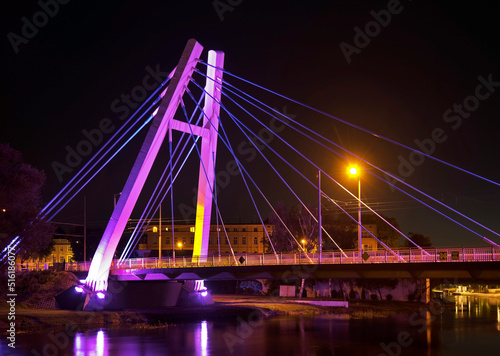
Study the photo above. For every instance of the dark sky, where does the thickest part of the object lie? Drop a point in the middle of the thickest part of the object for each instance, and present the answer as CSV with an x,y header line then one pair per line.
x,y
428,57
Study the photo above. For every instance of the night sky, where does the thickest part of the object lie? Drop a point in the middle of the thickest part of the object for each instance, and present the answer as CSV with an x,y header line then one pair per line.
x,y
415,78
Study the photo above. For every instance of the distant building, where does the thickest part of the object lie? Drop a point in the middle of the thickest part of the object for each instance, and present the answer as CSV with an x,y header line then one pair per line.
x,y
244,238
61,252
368,242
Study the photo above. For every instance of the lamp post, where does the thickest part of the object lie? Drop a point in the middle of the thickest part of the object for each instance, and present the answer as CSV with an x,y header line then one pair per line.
x,y
354,171
319,214
159,236
303,244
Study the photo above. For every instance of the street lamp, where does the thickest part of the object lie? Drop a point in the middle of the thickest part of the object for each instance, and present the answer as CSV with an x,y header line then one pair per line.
x,y
179,244
355,172
319,215
303,243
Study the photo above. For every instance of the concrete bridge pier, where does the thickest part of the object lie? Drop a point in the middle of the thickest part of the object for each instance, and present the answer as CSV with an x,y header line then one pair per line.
x,y
136,295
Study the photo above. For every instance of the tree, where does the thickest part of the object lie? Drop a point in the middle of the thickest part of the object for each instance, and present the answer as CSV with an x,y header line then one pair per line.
x,y
377,284
280,237
345,237
291,225
385,233
419,239
20,203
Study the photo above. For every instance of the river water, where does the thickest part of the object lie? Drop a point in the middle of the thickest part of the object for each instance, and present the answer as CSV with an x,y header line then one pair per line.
x,y
470,326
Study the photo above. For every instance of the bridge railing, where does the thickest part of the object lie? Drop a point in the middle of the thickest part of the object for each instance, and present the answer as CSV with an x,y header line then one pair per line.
x,y
414,255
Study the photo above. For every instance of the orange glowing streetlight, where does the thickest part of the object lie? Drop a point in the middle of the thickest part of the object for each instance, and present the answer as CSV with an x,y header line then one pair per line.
x,y
303,243
355,172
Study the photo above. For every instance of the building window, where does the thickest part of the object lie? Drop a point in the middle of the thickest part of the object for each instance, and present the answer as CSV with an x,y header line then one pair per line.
x,y
62,258
255,241
155,229
166,229
235,240
244,240
244,229
255,229
226,240
184,240
167,240
235,230
192,240
191,229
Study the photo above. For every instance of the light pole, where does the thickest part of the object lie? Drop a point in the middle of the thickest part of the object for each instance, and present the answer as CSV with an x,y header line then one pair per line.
x,y
319,213
354,171
159,236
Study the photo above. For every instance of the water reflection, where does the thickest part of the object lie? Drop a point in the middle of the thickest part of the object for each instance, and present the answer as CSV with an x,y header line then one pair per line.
x,y
498,315
90,344
470,324
201,341
471,306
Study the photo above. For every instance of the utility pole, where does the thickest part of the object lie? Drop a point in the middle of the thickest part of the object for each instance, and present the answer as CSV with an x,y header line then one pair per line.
x,y
159,237
84,228
319,214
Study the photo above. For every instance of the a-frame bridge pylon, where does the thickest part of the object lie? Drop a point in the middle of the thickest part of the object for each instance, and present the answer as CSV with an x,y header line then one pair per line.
x,y
162,123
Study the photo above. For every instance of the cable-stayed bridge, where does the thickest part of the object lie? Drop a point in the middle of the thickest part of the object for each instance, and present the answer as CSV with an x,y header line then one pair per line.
x,y
196,121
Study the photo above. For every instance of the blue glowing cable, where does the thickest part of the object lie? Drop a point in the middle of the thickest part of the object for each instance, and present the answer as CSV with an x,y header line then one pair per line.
x,y
230,149
284,181
355,126
100,168
333,151
288,163
202,164
83,169
134,238
312,163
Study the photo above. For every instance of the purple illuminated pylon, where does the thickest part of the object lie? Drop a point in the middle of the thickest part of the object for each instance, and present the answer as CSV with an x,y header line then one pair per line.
x,y
162,123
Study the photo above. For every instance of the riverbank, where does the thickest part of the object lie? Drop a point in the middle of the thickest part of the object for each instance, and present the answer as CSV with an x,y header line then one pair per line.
x,y
225,308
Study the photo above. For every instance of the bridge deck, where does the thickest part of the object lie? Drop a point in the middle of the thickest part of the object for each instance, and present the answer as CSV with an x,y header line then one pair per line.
x,y
455,262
